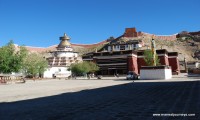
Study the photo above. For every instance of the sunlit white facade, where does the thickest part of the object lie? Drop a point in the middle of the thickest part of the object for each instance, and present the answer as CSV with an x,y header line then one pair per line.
x,y
61,59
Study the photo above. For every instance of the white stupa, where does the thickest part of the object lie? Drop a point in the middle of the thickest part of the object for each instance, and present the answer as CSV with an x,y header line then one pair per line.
x,y
61,59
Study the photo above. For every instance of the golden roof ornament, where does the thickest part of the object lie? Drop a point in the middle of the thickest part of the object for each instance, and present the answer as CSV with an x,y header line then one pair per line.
x,y
64,41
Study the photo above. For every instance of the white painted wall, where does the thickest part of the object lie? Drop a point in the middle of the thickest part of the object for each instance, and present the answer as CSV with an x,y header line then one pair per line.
x,y
66,54
56,70
153,74
138,45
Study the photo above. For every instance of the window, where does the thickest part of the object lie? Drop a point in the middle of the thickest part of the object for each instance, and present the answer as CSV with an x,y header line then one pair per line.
x,y
126,47
130,47
122,47
109,48
118,47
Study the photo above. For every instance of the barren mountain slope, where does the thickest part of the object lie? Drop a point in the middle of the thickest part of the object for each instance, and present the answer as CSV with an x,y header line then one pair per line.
x,y
186,47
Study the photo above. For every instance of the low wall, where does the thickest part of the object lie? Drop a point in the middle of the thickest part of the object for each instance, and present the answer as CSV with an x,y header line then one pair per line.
x,y
155,72
196,71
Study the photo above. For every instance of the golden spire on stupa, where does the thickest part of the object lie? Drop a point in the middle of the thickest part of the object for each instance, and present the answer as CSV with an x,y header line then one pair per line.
x,y
64,41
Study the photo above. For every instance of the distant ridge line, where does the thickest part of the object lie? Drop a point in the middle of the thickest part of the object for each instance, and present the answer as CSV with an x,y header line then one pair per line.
x,y
44,49
53,47
89,45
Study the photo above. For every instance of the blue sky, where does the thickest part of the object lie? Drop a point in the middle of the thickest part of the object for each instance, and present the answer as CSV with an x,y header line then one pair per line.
x,y
41,22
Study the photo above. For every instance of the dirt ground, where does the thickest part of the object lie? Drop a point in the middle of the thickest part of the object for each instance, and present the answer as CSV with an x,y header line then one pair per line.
x,y
108,99
41,88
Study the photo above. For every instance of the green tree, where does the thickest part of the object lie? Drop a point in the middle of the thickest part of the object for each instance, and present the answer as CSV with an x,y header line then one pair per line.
x,y
83,68
12,58
35,64
148,58
92,67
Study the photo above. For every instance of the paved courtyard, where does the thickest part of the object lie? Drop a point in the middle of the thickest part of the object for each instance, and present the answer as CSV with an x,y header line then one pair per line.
x,y
115,99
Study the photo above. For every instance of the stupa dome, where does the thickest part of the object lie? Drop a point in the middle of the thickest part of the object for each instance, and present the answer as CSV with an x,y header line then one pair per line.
x,y
64,41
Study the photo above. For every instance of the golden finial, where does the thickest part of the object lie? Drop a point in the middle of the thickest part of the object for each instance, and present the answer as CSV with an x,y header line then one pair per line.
x,y
65,34
153,36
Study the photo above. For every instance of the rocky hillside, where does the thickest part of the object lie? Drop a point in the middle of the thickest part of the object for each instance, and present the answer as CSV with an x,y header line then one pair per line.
x,y
186,47
186,43
80,48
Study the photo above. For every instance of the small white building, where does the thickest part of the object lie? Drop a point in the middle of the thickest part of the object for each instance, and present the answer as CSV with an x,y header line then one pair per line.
x,y
61,59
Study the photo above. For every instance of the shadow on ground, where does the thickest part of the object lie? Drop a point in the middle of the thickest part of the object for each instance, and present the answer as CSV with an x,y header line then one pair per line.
x,y
133,101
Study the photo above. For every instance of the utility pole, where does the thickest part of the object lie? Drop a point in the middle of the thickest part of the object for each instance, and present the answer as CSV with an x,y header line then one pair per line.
x,y
153,49
185,62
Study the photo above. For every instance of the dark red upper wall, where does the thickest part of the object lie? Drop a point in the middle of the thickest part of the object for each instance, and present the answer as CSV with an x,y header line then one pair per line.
x,y
132,64
130,32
